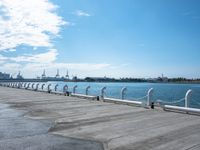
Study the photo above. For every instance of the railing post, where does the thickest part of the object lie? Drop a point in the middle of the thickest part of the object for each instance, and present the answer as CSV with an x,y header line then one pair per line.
x,y
20,85
74,89
149,96
37,85
48,88
187,97
32,85
25,84
65,88
103,92
42,87
28,85
86,90
56,86
123,92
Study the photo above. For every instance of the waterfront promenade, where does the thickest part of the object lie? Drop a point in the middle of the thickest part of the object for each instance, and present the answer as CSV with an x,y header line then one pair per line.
x,y
38,120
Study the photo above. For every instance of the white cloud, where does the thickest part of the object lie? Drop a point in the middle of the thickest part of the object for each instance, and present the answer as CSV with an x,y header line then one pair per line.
x,y
12,50
82,13
47,57
28,22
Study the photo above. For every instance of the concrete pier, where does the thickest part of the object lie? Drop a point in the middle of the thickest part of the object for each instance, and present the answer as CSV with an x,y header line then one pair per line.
x,y
38,120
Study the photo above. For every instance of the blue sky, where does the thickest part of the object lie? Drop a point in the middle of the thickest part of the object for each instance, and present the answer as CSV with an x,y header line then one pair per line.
x,y
116,38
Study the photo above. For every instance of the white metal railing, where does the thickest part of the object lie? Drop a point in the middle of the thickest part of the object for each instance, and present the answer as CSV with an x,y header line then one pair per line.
x,y
137,101
74,88
49,88
32,86
86,90
37,86
186,108
103,91
42,86
148,98
56,87
123,90
65,88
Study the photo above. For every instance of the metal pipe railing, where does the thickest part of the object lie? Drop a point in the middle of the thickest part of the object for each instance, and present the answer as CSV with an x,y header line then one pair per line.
x,y
42,87
123,90
74,88
65,88
86,90
103,91
49,88
149,96
25,84
28,85
187,97
56,86
32,86
37,85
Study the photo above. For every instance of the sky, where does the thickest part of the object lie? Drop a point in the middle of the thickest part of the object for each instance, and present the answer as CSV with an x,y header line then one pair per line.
x,y
113,38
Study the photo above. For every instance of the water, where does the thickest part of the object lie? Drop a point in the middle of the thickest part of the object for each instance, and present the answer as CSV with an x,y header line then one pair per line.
x,y
162,91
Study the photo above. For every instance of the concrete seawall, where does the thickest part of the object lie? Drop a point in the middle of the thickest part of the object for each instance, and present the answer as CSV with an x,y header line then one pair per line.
x,y
37,120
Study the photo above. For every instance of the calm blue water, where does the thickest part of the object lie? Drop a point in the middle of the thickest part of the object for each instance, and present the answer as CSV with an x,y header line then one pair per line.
x,y
162,91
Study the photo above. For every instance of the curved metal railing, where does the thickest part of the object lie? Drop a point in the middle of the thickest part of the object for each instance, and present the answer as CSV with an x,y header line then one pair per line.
x,y
147,99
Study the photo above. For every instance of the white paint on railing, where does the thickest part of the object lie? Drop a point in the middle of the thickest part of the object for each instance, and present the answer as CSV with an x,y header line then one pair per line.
x,y
56,87
17,85
25,84
187,97
149,96
65,88
20,84
184,109
28,85
32,86
103,91
74,88
42,87
128,102
123,90
86,90
49,88
37,85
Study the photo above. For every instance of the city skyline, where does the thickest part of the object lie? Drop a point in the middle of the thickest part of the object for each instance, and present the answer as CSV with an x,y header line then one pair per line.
x,y
131,38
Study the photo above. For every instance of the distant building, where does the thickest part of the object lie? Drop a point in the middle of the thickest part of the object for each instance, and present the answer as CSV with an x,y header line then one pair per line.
x,y
75,78
19,76
96,79
57,74
43,74
162,79
67,75
48,78
4,75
